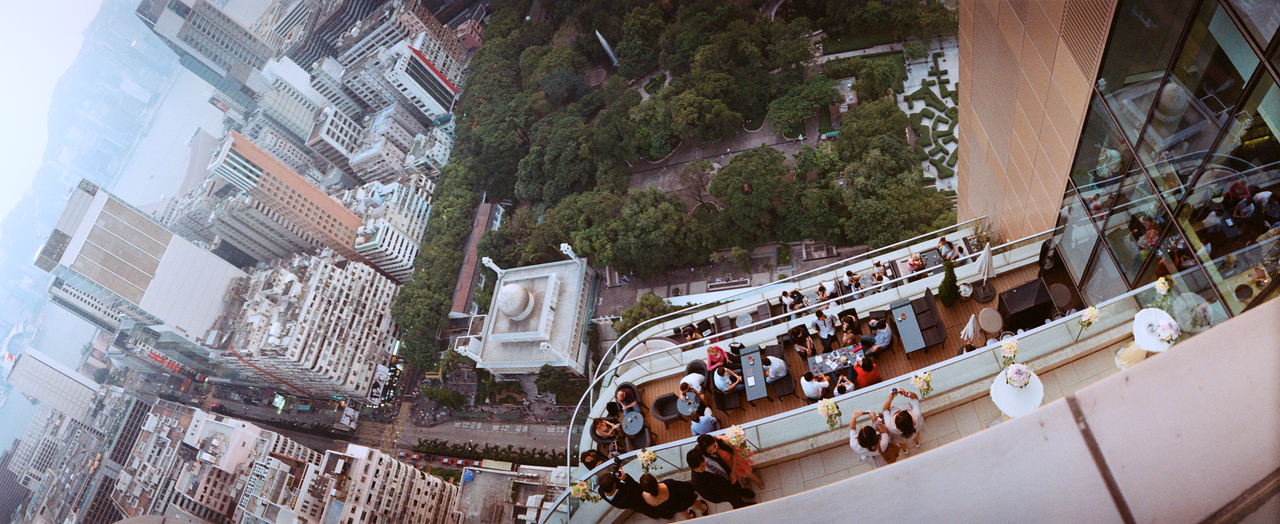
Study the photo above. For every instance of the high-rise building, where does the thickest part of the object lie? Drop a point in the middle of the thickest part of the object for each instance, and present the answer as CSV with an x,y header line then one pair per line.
x,y
1145,129
83,305
107,250
287,193
56,385
318,324
289,98
336,137
416,77
355,485
377,160
326,78
395,222
259,231
211,44
388,26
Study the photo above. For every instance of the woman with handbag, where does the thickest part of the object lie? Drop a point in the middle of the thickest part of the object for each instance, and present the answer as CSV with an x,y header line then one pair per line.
x,y
871,443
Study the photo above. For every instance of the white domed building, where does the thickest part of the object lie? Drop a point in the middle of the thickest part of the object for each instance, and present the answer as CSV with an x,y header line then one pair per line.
x,y
538,316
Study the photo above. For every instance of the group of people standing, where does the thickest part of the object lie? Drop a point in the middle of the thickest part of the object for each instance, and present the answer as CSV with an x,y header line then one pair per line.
x,y
719,472
889,433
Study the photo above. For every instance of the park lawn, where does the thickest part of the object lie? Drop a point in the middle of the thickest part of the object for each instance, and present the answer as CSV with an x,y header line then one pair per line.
x,y
860,40
824,120
753,121
795,131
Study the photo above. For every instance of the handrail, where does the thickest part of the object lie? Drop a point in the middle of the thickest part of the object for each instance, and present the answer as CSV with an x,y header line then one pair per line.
x,y
576,424
1111,326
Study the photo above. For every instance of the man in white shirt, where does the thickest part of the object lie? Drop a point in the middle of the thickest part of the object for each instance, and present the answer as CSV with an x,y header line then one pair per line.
x,y
776,370
693,382
814,386
826,328
727,380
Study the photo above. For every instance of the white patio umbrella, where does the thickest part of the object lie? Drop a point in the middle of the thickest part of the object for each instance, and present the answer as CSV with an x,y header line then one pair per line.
x,y
970,330
985,268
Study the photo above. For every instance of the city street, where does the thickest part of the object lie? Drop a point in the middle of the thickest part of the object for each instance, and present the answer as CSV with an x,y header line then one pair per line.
x,y
545,436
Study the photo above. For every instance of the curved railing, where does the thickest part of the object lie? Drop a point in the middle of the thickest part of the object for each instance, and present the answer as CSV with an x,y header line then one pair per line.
x,y
669,359
955,380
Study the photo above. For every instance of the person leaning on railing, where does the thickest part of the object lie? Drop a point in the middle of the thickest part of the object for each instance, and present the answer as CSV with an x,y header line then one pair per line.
x,y
714,486
620,491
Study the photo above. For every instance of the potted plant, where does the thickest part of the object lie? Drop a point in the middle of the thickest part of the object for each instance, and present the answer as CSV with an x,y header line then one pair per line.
x,y
948,291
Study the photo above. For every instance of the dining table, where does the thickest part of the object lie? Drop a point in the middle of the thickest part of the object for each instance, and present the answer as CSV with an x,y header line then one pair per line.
x,y
753,373
632,423
835,360
688,403
904,318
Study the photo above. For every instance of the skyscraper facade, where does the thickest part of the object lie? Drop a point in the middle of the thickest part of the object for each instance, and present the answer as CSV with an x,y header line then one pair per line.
x,y
55,384
123,258
1144,129
299,201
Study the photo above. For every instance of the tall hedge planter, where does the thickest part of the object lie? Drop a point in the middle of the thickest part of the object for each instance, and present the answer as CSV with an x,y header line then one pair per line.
x,y
948,290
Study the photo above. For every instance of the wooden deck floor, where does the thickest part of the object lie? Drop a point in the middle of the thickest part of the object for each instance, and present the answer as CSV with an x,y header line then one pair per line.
x,y
891,364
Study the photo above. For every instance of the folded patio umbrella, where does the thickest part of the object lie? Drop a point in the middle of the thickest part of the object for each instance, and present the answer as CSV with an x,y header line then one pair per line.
x,y
970,330
985,268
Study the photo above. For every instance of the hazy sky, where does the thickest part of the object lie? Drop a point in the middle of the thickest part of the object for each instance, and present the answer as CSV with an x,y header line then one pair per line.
x,y
40,40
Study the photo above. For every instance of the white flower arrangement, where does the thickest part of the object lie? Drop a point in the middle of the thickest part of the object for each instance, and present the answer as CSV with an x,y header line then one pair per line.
x,y
648,460
830,410
1168,331
1089,316
1162,285
1017,376
921,382
737,437
1008,351
582,491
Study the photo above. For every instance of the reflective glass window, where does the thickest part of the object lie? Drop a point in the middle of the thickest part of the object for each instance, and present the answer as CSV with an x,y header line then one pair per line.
x,y
1103,282
1136,223
1262,17
1232,214
1102,156
1142,43
1190,299
1196,101
1078,236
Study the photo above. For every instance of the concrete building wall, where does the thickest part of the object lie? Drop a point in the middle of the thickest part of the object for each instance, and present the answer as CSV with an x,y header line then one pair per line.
x,y
1026,71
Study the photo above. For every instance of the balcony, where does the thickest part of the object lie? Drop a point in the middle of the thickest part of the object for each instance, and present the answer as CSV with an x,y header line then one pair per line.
x,y
796,452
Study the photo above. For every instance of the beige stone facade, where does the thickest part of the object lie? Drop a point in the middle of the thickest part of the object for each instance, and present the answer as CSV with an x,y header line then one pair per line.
x,y
1026,71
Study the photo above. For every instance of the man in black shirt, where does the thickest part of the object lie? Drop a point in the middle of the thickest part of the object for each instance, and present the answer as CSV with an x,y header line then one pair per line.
x,y
715,486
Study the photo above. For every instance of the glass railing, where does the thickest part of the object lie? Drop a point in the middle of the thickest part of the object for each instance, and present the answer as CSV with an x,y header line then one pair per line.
x,y
764,330
955,380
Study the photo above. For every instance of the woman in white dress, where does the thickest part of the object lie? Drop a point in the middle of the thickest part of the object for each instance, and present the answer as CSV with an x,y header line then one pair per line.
x,y
872,441
904,422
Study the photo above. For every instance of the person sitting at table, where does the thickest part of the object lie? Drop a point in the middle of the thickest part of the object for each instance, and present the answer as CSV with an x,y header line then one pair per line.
x,y
813,386
726,380
823,296
804,345
865,372
670,497
691,334
1236,192
879,271
693,382
717,357
965,349
871,443
848,331
592,458
713,485
627,400
741,469
776,369
854,283
947,249
843,385
1244,210
880,339
702,423
915,263
905,422
607,430
826,328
